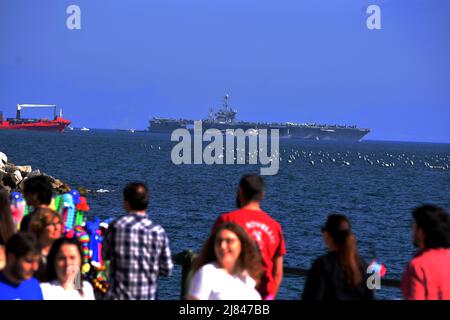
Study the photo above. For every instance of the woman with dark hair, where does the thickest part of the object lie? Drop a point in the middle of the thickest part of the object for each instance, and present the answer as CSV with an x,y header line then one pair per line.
x,y
7,227
228,267
427,276
64,273
341,273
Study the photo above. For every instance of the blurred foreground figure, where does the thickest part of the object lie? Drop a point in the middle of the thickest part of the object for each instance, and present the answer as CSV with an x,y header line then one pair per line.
x,y
64,274
16,280
341,273
228,267
427,276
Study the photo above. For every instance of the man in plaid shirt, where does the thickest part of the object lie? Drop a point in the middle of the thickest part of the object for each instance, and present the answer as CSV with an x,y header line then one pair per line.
x,y
137,248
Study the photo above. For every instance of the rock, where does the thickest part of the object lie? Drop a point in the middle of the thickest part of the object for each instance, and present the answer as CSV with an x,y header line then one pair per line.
x,y
3,158
10,167
9,181
13,177
64,188
24,170
56,183
34,173
60,186
21,184
84,191
17,177
2,175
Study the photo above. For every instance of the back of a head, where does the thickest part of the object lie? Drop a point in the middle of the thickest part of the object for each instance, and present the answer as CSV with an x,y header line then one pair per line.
x,y
21,244
41,186
435,223
339,228
137,196
252,187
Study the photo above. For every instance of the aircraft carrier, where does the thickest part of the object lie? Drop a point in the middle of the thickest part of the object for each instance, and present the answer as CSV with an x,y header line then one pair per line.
x,y
225,119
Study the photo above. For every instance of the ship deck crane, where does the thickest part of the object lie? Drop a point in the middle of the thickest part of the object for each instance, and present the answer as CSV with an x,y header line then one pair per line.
x,y
23,106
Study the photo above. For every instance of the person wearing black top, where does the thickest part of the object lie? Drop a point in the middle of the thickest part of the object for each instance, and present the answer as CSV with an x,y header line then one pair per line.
x,y
38,193
341,273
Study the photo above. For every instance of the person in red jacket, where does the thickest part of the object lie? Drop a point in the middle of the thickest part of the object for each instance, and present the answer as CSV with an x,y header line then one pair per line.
x,y
427,276
263,229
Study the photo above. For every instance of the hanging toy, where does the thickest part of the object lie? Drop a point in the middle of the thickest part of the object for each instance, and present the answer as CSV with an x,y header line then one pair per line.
x,y
83,238
99,249
19,208
100,284
69,234
95,244
79,218
58,204
52,205
100,280
378,268
68,211
75,196
374,265
81,207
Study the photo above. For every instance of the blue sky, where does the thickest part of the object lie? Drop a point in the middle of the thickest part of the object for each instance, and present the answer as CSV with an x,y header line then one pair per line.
x,y
290,60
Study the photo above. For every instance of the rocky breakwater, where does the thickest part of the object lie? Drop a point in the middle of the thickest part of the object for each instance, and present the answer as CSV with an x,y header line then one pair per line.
x,y
12,177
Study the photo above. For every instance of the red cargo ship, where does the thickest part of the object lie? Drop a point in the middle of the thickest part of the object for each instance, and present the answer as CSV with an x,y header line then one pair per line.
x,y
18,123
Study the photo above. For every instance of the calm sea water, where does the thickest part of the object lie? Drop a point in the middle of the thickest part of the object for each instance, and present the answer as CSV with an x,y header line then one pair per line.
x,y
361,182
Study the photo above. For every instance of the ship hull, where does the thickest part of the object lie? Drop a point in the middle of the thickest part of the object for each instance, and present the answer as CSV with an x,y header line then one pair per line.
x,y
322,133
58,125
166,127
328,133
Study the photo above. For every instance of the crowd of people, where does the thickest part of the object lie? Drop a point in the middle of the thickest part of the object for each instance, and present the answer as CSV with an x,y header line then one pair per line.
x,y
49,254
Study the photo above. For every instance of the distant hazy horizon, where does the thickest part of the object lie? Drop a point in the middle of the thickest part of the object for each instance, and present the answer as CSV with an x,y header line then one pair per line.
x,y
298,61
